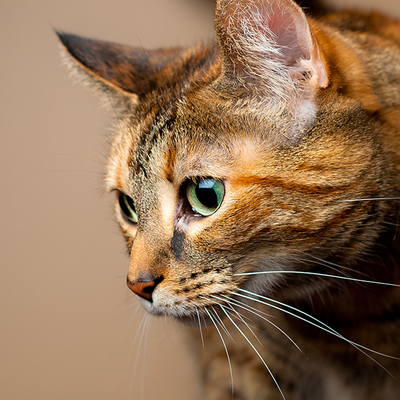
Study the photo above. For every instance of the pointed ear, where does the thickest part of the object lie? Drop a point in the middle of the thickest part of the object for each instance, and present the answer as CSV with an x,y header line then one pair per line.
x,y
123,69
270,42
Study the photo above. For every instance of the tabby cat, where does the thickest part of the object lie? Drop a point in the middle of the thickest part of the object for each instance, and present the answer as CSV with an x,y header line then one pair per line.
x,y
257,182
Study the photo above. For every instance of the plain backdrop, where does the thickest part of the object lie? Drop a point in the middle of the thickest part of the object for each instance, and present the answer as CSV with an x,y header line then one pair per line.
x,y
69,328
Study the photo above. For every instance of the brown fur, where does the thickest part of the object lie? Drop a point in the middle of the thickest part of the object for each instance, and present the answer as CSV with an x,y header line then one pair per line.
x,y
299,118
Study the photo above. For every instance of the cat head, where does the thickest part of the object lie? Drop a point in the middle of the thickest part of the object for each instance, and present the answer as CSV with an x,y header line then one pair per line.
x,y
235,156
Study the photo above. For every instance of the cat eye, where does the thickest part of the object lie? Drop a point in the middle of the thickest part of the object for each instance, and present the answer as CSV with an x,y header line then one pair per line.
x,y
205,196
127,207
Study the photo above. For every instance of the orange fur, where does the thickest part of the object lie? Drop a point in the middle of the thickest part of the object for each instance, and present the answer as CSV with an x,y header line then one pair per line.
x,y
263,169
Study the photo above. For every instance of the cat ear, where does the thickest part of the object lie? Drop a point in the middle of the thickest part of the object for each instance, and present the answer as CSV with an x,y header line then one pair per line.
x,y
268,40
124,69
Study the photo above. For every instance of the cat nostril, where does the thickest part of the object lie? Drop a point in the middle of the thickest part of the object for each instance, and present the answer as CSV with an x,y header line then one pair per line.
x,y
144,289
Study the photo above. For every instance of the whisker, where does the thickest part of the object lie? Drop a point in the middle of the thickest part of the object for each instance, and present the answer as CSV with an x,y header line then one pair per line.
x,y
141,330
258,314
222,325
255,350
248,307
146,338
347,278
239,316
219,320
135,304
135,311
224,344
321,325
201,330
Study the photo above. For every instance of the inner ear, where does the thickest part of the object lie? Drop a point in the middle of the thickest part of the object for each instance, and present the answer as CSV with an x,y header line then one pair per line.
x,y
290,40
268,38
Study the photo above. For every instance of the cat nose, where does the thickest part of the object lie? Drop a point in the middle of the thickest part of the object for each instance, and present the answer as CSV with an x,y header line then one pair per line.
x,y
144,288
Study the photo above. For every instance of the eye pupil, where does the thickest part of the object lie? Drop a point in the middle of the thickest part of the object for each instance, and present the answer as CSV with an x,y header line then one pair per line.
x,y
127,207
206,196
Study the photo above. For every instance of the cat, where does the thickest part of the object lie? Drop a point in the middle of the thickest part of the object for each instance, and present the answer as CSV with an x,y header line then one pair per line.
x,y
257,187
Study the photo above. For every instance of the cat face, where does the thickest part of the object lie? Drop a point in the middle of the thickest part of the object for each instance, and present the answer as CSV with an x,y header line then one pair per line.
x,y
203,199
238,157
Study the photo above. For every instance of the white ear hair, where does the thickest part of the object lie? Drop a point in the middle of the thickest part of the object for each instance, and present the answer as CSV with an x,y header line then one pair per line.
x,y
269,42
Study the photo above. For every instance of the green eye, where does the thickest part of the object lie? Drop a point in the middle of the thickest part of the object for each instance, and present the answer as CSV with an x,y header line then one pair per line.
x,y
206,196
127,207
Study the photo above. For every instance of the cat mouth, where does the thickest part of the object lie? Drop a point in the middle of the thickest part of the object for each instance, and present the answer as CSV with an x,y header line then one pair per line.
x,y
191,319
187,313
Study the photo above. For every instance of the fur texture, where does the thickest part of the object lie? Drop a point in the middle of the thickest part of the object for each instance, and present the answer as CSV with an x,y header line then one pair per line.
x,y
296,123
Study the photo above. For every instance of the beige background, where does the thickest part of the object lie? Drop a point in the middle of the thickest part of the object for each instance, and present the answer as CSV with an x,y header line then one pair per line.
x,y
68,323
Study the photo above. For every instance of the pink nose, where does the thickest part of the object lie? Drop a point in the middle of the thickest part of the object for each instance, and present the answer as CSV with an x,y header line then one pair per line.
x,y
143,289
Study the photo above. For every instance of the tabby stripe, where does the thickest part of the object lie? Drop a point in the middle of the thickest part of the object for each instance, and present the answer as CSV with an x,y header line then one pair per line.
x,y
314,236
299,187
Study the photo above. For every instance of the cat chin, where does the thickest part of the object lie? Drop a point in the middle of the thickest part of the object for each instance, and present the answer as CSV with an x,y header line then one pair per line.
x,y
188,320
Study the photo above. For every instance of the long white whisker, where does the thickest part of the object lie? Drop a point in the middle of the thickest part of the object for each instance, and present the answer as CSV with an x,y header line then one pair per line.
x,y
238,315
238,302
224,344
139,330
135,304
201,330
221,323
321,325
255,350
318,274
145,341
219,320
140,333
135,311
257,312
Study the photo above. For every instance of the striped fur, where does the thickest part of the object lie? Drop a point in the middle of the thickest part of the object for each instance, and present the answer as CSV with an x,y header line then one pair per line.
x,y
298,269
